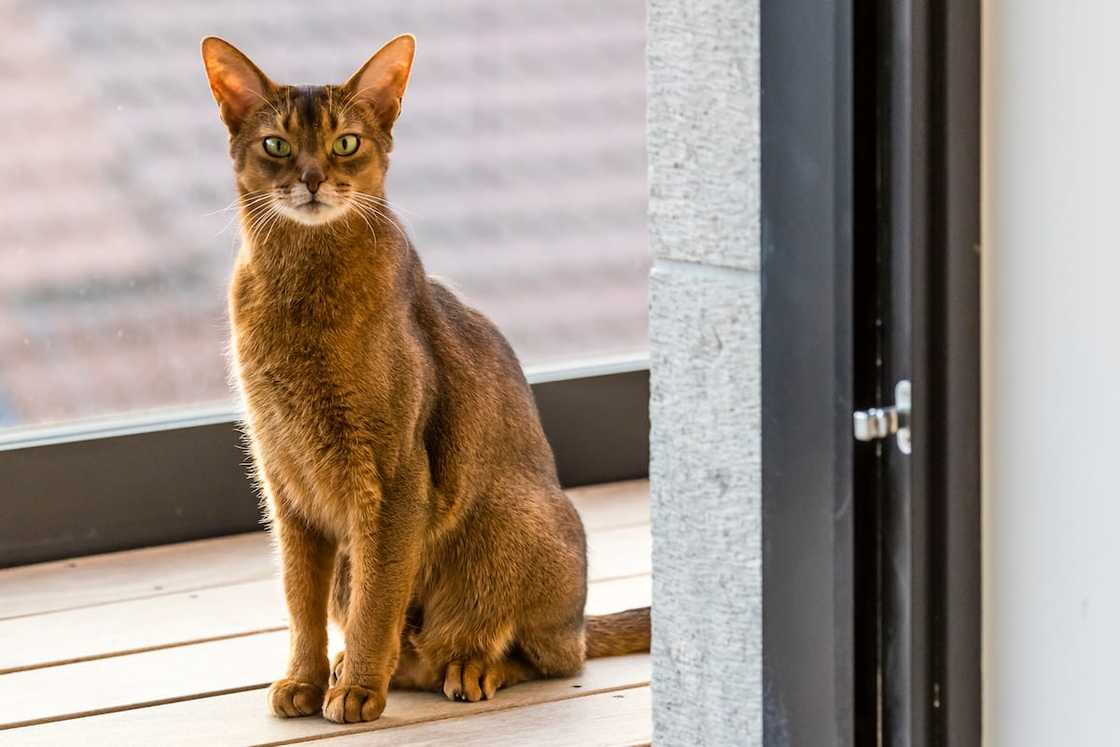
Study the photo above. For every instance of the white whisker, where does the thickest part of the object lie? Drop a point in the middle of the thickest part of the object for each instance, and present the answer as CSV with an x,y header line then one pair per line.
x,y
272,224
250,206
394,206
246,199
255,221
373,207
358,209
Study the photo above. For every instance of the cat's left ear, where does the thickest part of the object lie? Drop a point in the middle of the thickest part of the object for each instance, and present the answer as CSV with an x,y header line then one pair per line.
x,y
238,85
382,80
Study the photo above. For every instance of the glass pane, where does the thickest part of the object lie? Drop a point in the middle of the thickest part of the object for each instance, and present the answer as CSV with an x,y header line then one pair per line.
x,y
519,168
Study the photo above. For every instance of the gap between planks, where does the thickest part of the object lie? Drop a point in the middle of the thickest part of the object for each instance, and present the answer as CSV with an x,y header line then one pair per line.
x,y
200,670
139,626
242,718
611,718
204,564
618,552
132,626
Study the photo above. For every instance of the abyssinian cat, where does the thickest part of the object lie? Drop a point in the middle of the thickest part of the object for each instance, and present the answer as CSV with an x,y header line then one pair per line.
x,y
407,479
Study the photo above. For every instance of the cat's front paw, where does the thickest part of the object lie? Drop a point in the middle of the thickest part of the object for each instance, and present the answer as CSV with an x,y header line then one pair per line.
x,y
292,698
348,704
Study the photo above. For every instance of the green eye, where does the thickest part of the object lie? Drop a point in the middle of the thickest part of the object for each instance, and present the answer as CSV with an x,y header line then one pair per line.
x,y
276,146
345,145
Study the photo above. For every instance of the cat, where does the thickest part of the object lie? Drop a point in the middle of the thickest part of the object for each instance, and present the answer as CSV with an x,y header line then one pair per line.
x,y
406,477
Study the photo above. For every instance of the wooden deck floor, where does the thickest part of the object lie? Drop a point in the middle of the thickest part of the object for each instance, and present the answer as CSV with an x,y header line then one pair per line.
x,y
175,645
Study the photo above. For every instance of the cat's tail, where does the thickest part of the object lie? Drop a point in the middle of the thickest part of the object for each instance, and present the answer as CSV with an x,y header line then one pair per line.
x,y
618,633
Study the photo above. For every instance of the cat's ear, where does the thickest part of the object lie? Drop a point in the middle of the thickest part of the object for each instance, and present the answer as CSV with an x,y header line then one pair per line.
x,y
238,85
382,80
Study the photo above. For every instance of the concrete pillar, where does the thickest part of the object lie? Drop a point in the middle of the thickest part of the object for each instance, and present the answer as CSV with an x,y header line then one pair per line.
x,y
705,301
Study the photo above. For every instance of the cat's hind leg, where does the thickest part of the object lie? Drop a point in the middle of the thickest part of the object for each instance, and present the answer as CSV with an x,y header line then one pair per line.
x,y
474,679
555,652
471,656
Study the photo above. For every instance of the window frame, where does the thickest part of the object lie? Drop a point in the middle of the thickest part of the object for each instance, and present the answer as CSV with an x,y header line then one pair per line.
x,y
147,479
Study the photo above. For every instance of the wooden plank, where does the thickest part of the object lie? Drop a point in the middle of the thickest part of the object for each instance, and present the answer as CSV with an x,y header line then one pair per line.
x,y
190,566
152,571
243,718
616,553
619,594
618,719
613,505
199,669
193,617
240,609
141,624
138,679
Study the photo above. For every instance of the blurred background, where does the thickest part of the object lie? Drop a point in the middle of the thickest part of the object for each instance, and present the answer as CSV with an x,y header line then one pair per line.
x,y
520,172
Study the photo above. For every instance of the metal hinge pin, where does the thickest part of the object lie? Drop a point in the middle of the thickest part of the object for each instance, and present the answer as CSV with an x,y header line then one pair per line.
x,y
882,422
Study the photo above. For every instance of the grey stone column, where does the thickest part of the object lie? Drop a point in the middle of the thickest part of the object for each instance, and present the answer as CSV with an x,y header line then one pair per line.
x,y
705,303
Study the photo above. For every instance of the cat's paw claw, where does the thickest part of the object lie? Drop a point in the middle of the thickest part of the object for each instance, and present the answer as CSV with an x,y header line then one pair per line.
x,y
471,680
336,668
349,704
291,698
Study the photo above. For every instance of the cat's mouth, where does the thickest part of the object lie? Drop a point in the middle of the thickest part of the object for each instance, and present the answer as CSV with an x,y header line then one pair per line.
x,y
312,210
316,210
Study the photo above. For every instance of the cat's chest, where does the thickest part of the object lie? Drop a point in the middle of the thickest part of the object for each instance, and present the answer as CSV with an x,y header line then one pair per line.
x,y
297,372
326,387
308,419
301,388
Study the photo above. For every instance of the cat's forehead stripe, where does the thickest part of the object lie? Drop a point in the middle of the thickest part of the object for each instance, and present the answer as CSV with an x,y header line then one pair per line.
x,y
308,103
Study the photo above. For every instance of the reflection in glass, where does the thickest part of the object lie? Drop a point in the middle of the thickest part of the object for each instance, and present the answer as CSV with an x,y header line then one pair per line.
x,y
519,171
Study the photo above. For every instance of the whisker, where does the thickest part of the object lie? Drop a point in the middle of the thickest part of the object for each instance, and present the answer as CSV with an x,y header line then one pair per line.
x,y
272,224
247,209
269,224
227,208
231,220
361,214
376,211
396,207
229,223
256,221
257,213
372,206
251,205
245,199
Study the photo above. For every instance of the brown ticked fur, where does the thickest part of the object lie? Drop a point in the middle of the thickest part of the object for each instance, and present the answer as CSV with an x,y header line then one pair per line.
x,y
409,484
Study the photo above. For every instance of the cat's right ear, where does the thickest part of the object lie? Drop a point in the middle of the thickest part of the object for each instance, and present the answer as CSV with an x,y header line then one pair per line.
x,y
238,85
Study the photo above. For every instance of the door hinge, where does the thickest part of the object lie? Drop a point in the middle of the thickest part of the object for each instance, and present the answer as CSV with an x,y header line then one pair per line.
x,y
882,422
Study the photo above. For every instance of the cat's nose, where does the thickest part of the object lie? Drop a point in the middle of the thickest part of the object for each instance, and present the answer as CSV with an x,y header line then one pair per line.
x,y
312,177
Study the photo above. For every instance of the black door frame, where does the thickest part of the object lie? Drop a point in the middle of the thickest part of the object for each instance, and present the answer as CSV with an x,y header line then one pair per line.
x,y
807,336
835,601
946,288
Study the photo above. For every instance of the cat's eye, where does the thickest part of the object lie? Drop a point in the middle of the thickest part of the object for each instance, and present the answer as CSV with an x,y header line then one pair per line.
x,y
345,145
277,146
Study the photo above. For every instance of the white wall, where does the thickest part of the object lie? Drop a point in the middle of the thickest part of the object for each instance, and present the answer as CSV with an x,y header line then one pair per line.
x,y
1052,372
